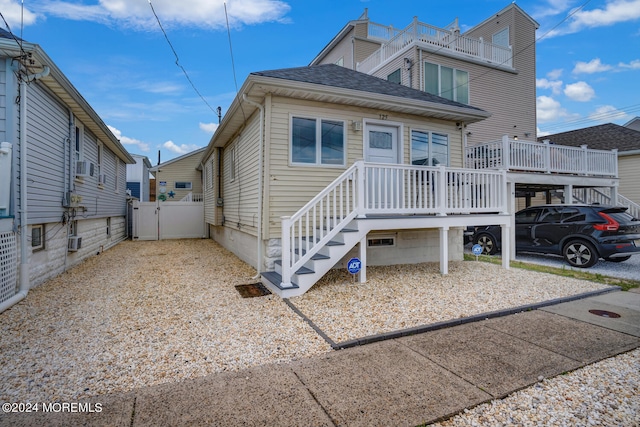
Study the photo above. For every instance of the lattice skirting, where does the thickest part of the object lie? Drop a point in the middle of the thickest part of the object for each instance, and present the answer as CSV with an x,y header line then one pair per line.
x,y
8,265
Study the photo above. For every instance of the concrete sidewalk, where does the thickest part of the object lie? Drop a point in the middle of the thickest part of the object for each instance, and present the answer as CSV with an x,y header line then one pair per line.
x,y
404,381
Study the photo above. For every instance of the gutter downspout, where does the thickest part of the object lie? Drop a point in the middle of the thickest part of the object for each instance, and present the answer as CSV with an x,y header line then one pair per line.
x,y
260,184
24,256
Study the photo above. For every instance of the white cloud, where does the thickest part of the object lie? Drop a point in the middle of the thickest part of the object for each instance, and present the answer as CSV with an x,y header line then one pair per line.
x,y
13,14
209,127
180,149
555,86
608,114
190,13
579,91
613,12
540,133
633,65
548,109
125,140
555,74
593,66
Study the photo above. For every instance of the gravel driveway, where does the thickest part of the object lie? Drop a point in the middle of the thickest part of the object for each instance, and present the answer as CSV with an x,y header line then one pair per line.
x,y
144,313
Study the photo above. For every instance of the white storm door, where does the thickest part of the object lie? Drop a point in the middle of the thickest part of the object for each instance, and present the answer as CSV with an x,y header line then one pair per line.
x,y
382,146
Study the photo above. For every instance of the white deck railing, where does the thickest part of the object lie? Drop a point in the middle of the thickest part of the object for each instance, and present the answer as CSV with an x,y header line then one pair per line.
x,y
386,189
533,156
193,197
438,38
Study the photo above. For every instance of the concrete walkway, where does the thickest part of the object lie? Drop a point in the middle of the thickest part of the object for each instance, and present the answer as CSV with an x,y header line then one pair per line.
x,y
401,382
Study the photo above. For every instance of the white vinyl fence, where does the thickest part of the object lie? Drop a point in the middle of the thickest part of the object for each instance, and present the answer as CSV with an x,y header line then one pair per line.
x,y
168,220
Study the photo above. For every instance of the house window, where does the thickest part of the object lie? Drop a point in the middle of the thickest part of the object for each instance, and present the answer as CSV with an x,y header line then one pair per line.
x,y
109,227
99,165
446,82
78,144
340,62
37,237
317,141
395,77
378,242
429,148
73,228
210,175
182,185
501,38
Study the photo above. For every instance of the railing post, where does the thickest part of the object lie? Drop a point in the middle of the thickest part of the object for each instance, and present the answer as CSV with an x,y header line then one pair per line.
x,y
547,156
286,251
441,191
505,194
361,186
506,152
615,162
584,164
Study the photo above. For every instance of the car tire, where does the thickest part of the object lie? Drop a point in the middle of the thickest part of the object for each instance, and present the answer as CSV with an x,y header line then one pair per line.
x,y
488,243
618,259
580,253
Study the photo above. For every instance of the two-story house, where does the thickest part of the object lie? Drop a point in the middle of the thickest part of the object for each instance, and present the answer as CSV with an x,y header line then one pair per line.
x,y
490,66
62,192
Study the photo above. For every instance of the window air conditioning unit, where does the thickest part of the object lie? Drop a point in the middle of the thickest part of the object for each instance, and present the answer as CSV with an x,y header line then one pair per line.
x,y
84,168
102,179
75,243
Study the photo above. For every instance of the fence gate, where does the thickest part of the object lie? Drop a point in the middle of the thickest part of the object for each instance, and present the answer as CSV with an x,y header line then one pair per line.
x,y
168,220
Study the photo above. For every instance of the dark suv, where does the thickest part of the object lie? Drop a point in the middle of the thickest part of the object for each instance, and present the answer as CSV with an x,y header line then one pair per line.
x,y
580,233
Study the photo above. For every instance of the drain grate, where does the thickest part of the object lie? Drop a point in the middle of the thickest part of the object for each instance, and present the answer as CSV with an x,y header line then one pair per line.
x,y
605,313
252,290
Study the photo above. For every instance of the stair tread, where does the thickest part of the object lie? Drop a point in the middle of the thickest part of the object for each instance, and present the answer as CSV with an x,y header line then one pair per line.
x,y
276,279
314,257
301,270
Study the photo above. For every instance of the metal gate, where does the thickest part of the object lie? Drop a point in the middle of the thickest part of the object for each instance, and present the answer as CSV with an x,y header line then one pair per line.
x,y
168,220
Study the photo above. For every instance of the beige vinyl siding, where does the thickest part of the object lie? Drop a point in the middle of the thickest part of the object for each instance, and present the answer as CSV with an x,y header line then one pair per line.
x,y
291,187
364,49
183,170
629,173
241,194
344,50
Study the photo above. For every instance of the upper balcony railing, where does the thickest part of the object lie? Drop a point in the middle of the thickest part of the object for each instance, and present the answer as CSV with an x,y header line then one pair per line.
x,y
437,38
533,156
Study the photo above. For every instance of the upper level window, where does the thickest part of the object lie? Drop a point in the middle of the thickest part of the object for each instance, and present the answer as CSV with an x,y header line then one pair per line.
x,y
446,82
317,141
340,62
429,148
501,38
395,77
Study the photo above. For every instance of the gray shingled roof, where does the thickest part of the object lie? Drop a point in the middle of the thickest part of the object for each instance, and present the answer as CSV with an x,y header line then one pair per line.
x,y
337,76
602,137
4,34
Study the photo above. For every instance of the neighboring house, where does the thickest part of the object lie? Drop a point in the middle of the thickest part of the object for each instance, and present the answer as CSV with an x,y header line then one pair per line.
x,y
66,186
138,178
633,124
624,139
179,178
490,66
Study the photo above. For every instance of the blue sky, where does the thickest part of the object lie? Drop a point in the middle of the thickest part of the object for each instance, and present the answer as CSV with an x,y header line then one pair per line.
x,y
114,53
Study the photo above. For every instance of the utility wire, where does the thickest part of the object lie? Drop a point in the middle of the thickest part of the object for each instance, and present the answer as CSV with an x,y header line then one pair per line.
x,y
233,64
178,59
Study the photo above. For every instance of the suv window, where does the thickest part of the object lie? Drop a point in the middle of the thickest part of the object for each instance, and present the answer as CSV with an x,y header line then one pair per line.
x,y
527,216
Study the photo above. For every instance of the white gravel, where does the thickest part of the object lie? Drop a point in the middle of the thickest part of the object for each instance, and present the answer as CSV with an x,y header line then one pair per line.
x,y
606,393
145,313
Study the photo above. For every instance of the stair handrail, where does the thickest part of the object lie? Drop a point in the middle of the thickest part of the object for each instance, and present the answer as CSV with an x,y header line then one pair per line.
x,y
309,227
602,197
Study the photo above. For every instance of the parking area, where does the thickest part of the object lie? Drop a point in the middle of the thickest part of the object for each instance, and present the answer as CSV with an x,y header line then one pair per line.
x,y
145,313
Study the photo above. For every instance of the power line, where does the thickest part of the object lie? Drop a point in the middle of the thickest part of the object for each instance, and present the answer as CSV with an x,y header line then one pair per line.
x,y
233,64
178,59
595,117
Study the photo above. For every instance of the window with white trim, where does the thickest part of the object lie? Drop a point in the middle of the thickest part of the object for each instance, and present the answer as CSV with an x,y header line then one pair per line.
x,y
317,141
395,77
78,144
210,183
37,237
429,148
100,160
446,82
108,226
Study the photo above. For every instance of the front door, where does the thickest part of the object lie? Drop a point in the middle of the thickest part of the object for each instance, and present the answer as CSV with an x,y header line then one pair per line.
x,y
381,146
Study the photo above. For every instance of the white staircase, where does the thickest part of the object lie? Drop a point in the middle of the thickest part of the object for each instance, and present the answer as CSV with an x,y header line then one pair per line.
x,y
370,196
603,197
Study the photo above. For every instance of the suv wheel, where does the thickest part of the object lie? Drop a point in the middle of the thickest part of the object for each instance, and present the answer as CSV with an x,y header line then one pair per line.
x,y
488,243
580,253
